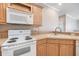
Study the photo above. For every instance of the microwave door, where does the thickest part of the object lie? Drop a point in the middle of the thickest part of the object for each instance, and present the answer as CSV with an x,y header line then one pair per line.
x,y
16,17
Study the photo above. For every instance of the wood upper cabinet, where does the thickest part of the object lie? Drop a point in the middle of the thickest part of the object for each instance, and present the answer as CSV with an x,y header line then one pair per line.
x,y
2,11
67,50
20,6
36,10
3,7
37,15
52,50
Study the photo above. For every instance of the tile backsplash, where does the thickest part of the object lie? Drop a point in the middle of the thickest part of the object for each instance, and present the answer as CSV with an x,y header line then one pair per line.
x,y
15,27
4,29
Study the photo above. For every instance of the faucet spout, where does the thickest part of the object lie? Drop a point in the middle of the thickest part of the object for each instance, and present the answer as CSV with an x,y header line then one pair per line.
x,y
57,28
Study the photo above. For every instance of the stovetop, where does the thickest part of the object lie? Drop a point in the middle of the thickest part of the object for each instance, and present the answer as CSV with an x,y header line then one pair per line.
x,y
16,40
18,36
12,40
28,38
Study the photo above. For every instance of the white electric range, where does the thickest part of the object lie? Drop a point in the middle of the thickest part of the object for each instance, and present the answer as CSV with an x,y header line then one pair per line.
x,y
19,43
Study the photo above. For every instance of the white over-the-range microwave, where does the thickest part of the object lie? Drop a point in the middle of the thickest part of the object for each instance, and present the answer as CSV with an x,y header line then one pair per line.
x,y
18,17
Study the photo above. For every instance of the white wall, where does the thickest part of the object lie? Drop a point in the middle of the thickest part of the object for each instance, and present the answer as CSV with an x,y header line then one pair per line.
x,y
77,24
70,24
62,22
50,20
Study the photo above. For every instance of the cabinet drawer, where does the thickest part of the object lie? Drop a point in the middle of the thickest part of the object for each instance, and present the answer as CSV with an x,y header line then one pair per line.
x,y
52,41
66,41
41,41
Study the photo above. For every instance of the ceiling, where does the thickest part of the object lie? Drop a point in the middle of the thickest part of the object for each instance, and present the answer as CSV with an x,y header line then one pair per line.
x,y
66,8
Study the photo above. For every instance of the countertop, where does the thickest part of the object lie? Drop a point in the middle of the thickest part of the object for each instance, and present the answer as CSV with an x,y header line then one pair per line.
x,y
58,36
48,35
2,40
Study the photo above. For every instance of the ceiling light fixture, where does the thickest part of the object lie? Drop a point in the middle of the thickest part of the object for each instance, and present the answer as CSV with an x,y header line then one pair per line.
x,y
59,4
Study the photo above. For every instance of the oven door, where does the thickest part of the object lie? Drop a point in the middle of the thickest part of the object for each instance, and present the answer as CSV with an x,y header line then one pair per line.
x,y
26,50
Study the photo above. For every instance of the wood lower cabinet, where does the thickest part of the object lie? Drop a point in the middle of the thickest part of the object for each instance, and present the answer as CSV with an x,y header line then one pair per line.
x,y
55,47
52,49
67,47
0,51
66,50
41,50
41,47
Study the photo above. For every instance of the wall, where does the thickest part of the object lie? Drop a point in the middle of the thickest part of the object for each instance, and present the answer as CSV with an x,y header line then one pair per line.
x,y
14,27
68,23
77,30
71,24
62,22
49,21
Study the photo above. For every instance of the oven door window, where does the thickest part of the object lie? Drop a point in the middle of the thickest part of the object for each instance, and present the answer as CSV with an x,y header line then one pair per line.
x,y
22,51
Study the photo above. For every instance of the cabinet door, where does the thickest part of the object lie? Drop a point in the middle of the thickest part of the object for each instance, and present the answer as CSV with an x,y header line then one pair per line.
x,y
77,48
4,34
41,50
67,50
37,13
0,51
52,50
20,6
2,13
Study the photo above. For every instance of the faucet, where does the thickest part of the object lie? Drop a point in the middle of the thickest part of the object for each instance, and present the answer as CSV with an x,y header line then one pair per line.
x,y
56,30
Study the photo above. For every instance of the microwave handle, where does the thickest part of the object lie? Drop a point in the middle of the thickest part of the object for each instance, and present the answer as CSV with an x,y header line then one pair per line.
x,y
28,22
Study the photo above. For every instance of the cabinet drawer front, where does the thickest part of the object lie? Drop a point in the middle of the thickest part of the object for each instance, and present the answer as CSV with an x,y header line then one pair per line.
x,y
41,41
52,41
66,41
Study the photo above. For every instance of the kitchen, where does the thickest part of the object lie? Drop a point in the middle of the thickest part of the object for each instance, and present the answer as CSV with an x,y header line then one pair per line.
x,y
39,29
